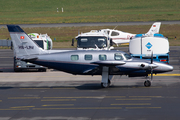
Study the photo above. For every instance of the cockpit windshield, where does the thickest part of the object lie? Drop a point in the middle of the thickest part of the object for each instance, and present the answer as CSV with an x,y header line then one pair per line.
x,y
127,56
92,42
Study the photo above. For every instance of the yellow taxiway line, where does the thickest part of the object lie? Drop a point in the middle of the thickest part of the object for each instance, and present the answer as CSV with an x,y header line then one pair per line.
x,y
166,75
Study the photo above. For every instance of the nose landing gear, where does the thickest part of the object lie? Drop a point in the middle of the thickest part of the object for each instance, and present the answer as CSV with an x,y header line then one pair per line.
x,y
147,83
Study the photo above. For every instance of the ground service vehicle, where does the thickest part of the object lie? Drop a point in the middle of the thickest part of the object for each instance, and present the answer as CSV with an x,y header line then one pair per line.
x,y
143,46
93,40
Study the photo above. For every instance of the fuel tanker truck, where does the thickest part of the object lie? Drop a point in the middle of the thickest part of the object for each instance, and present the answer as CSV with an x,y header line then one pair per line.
x,y
142,46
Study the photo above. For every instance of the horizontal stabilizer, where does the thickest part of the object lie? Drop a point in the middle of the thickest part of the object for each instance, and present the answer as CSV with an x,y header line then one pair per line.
x,y
29,58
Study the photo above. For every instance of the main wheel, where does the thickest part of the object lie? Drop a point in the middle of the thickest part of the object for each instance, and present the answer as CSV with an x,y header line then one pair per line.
x,y
105,85
147,83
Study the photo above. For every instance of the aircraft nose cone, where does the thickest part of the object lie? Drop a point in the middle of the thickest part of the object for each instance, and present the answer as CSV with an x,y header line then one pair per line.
x,y
170,68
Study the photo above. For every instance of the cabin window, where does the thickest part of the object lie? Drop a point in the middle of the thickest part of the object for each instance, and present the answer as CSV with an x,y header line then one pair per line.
x,y
74,57
114,33
102,57
118,56
88,57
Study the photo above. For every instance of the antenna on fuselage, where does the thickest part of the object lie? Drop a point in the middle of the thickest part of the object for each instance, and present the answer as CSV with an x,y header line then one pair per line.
x,y
115,27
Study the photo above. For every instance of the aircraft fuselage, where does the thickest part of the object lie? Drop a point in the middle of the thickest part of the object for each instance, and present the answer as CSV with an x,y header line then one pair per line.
x,y
91,63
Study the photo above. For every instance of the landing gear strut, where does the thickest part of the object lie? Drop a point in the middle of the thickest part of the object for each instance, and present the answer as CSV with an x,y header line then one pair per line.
x,y
105,82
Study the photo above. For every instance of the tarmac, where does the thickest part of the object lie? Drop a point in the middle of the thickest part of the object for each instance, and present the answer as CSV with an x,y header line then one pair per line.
x,y
55,95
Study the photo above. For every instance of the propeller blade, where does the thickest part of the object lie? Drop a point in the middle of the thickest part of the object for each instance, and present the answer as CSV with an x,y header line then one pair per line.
x,y
151,74
152,58
151,66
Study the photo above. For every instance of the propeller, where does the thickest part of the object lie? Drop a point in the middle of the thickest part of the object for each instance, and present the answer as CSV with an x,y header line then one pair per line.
x,y
151,66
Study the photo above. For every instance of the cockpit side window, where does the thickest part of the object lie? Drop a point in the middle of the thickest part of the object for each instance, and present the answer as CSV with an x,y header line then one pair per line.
x,y
127,56
102,57
114,33
118,56
74,57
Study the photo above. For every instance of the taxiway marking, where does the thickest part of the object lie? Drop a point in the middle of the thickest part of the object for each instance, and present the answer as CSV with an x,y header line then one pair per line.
x,y
143,107
78,108
19,107
133,104
167,75
98,97
135,99
24,97
47,88
146,96
58,105
89,97
59,100
14,109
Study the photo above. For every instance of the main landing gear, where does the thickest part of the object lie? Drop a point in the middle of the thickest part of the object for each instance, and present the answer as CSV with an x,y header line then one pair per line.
x,y
105,82
105,85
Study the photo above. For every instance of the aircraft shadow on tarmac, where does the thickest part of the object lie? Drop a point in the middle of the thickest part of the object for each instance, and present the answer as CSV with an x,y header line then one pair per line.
x,y
93,86
87,86
4,88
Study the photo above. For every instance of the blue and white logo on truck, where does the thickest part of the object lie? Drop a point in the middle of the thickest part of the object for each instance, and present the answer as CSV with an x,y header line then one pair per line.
x,y
148,45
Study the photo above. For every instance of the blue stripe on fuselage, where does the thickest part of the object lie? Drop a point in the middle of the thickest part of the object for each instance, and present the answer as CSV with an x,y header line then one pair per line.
x,y
69,67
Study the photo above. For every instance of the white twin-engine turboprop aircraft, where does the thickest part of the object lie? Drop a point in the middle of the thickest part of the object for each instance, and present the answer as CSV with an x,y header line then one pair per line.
x,y
82,62
119,37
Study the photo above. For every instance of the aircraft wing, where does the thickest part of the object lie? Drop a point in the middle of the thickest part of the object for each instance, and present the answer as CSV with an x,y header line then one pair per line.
x,y
102,63
109,63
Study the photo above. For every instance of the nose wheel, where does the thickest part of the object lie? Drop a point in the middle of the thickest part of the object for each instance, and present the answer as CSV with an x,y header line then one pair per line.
x,y
147,83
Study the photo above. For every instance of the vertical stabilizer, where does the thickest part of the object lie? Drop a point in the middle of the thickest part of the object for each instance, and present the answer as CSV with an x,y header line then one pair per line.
x,y
154,29
22,43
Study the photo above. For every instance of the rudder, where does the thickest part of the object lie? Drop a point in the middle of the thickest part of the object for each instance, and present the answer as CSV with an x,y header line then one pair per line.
x,y
154,29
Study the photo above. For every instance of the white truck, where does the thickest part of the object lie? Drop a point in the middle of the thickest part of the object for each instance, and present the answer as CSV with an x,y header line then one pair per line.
x,y
93,40
142,46
45,42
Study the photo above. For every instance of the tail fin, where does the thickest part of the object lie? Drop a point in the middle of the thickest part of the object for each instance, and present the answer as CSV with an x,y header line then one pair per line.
x,y
154,29
23,44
